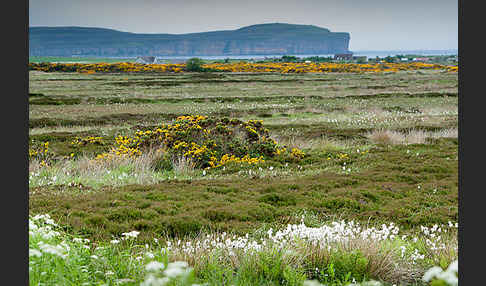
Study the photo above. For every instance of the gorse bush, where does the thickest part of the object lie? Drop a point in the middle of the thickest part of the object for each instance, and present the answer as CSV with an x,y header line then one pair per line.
x,y
41,154
203,142
197,65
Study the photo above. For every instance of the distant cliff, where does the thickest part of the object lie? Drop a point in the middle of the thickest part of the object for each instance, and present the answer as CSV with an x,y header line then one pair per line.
x,y
263,39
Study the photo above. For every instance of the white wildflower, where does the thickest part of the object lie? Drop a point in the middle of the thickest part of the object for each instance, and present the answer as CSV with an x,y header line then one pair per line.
x,y
453,267
431,273
150,255
131,234
312,283
449,277
175,269
34,252
154,266
151,280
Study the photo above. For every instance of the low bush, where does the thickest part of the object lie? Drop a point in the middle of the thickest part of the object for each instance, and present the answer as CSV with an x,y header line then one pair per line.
x,y
194,65
204,143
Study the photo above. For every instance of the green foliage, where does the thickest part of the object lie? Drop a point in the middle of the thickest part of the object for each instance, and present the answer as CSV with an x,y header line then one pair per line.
x,y
288,59
318,59
194,65
211,271
278,200
438,282
182,226
266,268
57,258
163,162
343,267
348,265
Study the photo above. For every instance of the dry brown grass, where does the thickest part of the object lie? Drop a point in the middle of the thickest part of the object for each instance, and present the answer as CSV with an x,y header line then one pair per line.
x,y
34,166
296,140
446,133
416,137
71,129
312,109
391,137
383,263
383,136
140,169
183,165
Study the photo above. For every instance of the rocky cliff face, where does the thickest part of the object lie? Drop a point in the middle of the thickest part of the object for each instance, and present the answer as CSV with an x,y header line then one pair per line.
x,y
265,39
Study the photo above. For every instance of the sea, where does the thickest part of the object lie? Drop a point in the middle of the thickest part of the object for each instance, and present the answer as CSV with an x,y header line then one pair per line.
x,y
368,54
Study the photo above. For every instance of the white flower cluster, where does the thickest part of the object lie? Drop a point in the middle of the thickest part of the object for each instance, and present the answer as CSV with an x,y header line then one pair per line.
x,y
42,230
60,250
433,236
41,227
366,283
213,242
330,236
159,274
450,275
325,236
130,235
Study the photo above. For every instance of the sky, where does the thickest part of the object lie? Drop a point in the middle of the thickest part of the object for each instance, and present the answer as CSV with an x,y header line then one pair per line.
x,y
374,25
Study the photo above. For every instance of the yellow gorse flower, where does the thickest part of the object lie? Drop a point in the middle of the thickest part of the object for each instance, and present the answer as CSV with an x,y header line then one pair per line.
x,y
278,67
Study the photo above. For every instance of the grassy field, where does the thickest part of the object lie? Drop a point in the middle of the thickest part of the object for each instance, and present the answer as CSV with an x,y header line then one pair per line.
x,y
378,149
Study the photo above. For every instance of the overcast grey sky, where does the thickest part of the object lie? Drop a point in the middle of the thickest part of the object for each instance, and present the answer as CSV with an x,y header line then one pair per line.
x,y
372,24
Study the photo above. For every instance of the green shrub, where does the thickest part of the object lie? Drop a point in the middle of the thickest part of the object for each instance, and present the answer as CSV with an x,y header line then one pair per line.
x,y
194,65
343,267
264,268
163,163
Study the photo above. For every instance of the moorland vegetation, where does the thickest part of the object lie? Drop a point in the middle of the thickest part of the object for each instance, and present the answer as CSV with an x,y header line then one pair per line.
x,y
243,177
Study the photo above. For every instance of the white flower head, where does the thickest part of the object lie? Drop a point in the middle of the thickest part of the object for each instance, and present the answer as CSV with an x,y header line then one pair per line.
x,y
77,240
154,266
453,267
431,273
312,283
34,252
131,234
176,268
449,277
151,280
150,255
52,249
